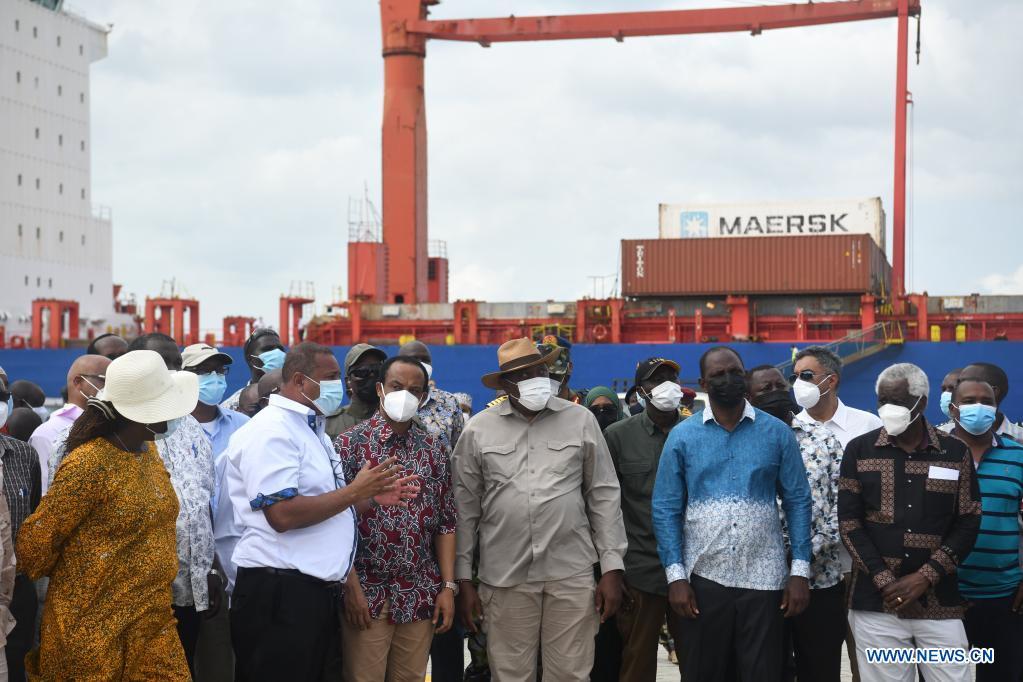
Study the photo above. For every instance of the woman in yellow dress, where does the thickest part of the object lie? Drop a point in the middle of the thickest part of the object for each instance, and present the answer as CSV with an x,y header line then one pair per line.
x,y
104,533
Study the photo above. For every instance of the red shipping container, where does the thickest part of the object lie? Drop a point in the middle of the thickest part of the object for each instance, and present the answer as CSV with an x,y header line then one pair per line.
x,y
832,264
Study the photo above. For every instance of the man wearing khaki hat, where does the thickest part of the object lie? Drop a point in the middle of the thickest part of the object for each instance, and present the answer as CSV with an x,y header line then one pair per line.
x,y
538,497
362,371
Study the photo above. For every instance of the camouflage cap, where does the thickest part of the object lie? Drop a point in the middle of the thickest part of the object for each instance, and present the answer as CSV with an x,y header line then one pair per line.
x,y
562,365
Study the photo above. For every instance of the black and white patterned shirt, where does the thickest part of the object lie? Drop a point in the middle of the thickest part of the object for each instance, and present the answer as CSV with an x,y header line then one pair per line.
x,y
22,479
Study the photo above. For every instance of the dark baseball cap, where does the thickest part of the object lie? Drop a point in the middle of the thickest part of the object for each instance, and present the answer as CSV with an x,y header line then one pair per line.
x,y
357,351
647,367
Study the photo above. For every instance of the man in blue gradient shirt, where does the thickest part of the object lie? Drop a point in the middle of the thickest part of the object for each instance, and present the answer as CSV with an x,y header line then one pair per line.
x,y
718,532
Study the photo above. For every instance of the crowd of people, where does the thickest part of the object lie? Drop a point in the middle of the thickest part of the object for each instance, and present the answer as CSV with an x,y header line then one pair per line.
x,y
153,528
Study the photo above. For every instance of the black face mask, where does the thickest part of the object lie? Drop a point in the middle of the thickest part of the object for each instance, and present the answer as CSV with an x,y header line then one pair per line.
x,y
777,403
366,391
605,417
728,390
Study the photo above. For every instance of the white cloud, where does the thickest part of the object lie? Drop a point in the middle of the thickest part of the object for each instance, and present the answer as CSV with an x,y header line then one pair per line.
x,y
228,137
1011,283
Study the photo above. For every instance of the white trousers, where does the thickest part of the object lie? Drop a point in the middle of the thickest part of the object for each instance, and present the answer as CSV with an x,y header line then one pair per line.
x,y
874,630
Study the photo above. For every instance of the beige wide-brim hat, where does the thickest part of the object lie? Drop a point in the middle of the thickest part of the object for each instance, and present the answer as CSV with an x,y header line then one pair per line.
x,y
143,390
517,354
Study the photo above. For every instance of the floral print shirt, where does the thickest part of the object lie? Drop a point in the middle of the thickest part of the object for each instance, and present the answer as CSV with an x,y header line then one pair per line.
x,y
443,419
395,561
822,457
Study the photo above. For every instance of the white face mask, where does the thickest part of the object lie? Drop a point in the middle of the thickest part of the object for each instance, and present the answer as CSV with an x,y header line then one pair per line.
x,y
400,406
555,386
43,413
896,418
429,370
535,393
807,393
666,396
5,412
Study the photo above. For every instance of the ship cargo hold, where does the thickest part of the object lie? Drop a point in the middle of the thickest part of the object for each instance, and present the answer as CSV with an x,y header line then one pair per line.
x,y
827,264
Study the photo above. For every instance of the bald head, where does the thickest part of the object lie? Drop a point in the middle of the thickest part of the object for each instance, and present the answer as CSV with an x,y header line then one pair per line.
x,y
417,350
85,378
270,383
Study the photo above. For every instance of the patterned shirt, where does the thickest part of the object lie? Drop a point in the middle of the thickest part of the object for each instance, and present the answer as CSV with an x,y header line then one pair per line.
x,y
188,458
902,512
822,457
714,505
442,417
22,479
396,560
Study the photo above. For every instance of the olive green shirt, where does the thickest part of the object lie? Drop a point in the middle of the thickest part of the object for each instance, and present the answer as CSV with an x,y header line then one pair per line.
x,y
351,414
540,498
635,444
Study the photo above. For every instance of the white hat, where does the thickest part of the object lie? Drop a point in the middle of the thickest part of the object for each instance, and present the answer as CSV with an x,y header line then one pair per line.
x,y
198,353
143,390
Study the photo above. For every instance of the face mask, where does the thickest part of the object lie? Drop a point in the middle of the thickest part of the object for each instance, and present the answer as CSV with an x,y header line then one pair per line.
x,y
272,359
808,394
641,401
331,394
172,426
429,370
5,411
777,403
946,400
555,386
896,418
605,418
977,418
534,393
728,390
211,388
400,405
666,396
366,392
43,413
93,388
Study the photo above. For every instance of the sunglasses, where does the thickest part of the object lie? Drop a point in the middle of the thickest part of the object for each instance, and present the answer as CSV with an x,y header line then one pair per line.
x,y
805,375
604,409
365,372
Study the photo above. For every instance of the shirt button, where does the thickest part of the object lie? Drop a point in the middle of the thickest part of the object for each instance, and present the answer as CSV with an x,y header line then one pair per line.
x,y
910,506
907,556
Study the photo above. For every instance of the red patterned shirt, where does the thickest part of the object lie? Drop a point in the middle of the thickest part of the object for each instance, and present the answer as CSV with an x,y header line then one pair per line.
x,y
395,559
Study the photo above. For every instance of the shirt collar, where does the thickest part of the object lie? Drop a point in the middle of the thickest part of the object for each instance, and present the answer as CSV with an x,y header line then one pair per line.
x,y
747,413
930,440
70,410
277,400
841,416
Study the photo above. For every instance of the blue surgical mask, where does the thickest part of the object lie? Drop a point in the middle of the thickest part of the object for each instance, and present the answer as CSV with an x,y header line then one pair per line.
x,y
946,400
976,418
272,359
332,393
212,387
172,426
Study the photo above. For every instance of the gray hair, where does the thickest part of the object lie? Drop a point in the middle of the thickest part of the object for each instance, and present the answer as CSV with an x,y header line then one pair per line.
x,y
828,359
914,376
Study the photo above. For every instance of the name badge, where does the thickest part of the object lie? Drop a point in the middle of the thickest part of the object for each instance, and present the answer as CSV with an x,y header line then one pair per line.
x,y
943,474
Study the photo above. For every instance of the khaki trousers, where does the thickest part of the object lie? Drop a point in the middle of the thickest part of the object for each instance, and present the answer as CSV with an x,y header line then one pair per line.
x,y
385,651
557,617
640,628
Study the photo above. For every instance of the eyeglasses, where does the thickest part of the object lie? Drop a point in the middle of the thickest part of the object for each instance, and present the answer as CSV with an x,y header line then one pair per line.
x,y
609,410
806,375
365,372
222,371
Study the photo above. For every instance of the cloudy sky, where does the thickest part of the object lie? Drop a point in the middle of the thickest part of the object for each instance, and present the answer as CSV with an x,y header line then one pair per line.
x,y
229,136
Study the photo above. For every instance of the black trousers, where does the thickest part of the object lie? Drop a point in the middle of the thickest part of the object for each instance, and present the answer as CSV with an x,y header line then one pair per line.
x,y
447,655
816,637
607,657
738,635
991,623
188,632
19,641
282,624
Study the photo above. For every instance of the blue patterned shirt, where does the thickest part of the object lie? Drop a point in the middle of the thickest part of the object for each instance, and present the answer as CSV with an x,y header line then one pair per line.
x,y
714,502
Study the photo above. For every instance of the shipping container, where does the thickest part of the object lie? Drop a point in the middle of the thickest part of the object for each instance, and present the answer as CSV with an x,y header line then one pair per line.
x,y
806,219
836,264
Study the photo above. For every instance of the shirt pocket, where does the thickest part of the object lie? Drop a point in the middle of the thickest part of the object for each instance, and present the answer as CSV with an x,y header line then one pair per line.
x,y
499,462
635,476
564,455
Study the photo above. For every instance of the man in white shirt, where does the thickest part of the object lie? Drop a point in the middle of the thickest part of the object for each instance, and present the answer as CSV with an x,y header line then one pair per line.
x,y
298,528
816,376
84,380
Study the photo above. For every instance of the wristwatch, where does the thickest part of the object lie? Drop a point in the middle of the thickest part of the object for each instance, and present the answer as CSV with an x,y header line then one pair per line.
x,y
452,586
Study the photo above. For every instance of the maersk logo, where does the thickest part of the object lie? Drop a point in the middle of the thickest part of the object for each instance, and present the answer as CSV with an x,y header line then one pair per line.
x,y
694,223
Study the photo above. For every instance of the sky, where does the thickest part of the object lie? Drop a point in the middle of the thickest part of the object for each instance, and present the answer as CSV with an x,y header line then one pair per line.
x,y
229,136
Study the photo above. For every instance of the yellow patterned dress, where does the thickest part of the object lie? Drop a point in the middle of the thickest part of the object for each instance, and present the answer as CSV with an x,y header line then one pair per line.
x,y
104,533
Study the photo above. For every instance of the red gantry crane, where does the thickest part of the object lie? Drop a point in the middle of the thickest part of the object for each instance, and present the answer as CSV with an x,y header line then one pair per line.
x,y
403,258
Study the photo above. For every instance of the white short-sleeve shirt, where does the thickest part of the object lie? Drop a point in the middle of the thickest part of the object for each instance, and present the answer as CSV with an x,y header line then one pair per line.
x,y
847,422
280,453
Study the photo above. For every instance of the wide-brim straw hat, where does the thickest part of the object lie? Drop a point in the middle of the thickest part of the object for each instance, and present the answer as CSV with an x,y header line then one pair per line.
x,y
143,390
515,355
